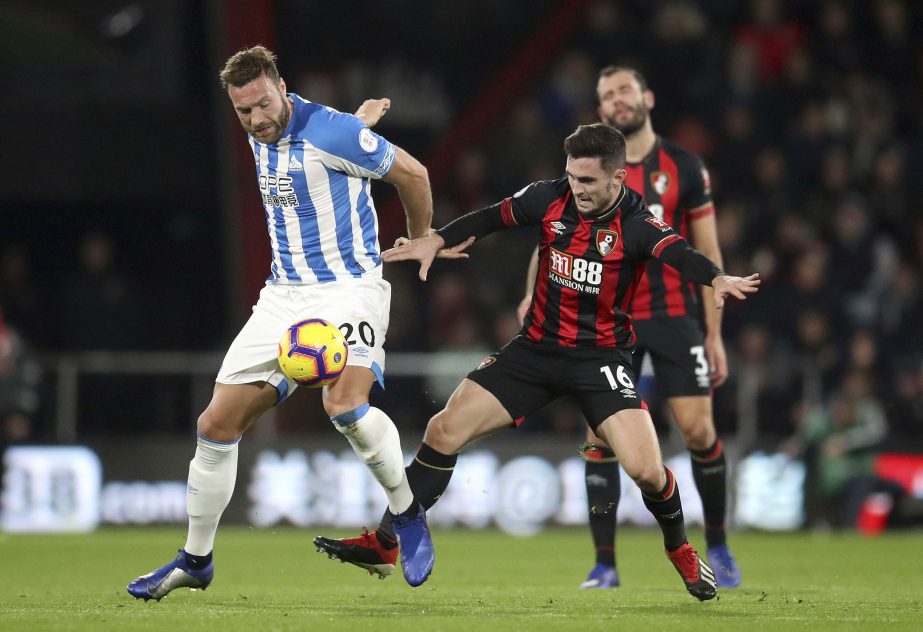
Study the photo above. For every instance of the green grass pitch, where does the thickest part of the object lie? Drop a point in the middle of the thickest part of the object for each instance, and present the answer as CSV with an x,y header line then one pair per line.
x,y
483,580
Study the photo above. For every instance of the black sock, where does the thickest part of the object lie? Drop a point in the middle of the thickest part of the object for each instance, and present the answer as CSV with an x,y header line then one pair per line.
x,y
603,490
667,509
709,469
428,474
198,562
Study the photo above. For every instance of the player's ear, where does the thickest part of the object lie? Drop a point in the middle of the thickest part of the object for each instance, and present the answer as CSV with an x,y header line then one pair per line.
x,y
649,99
282,86
619,176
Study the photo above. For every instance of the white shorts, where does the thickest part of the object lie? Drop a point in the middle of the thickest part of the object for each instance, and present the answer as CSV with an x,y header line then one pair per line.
x,y
359,307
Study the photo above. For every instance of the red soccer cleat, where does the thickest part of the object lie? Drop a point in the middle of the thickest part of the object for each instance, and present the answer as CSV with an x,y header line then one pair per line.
x,y
364,551
697,575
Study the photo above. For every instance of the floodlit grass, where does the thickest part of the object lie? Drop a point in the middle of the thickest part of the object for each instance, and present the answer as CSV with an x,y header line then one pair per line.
x,y
274,580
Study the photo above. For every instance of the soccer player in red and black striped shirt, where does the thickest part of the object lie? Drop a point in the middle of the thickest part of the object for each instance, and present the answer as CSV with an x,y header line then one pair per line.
x,y
576,341
688,359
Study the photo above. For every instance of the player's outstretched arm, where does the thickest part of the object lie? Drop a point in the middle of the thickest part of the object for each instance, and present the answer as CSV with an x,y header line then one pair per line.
x,y
726,285
424,250
372,110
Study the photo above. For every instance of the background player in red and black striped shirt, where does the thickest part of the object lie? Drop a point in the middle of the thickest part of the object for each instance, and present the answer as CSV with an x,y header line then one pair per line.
x,y
595,237
668,317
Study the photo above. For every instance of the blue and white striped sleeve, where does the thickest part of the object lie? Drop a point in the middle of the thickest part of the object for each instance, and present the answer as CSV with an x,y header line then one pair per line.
x,y
346,144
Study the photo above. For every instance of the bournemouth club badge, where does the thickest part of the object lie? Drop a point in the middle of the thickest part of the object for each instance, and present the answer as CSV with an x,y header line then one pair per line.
x,y
605,241
660,180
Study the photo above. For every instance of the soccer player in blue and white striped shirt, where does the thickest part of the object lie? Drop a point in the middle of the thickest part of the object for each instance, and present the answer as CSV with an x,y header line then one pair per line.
x,y
313,166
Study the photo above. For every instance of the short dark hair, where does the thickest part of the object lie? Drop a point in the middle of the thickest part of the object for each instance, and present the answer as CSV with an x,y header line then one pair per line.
x,y
634,72
597,141
248,64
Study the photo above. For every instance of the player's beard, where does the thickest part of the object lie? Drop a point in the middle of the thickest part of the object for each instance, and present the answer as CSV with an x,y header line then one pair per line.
x,y
634,123
280,123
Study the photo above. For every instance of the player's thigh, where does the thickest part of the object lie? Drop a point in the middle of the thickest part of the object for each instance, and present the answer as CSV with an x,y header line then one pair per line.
x,y
677,350
506,387
471,413
602,383
693,415
630,433
233,408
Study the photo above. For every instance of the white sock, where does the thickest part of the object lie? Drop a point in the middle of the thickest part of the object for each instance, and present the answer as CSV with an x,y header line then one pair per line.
x,y
212,474
375,440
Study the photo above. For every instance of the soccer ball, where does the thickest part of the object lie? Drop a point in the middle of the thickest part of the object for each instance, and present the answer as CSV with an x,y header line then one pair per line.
x,y
313,352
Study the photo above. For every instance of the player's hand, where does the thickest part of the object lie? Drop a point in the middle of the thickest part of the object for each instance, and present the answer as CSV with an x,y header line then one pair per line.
x,y
455,252
738,287
372,110
523,308
424,250
717,360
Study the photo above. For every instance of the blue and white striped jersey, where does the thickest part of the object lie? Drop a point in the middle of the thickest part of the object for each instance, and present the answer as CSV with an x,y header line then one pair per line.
x,y
316,193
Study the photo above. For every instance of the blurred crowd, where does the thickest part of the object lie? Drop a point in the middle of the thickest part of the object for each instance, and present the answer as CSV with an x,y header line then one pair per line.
x,y
809,116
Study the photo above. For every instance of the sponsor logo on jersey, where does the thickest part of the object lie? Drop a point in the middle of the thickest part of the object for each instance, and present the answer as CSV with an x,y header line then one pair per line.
x,y
557,228
367,140
630,394
706,181
660,180
294,164
560,263
574,272
605,241
486,362
656,223
359,352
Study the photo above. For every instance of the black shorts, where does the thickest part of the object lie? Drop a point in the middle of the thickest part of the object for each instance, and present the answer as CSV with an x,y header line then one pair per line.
x,y
526,376
677,349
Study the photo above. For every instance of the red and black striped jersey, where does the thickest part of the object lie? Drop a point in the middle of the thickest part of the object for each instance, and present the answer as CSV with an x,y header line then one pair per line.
x,y
676,187
588,267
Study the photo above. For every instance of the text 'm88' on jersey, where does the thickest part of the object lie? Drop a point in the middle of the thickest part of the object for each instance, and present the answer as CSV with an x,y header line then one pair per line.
x,y
315,189
588,266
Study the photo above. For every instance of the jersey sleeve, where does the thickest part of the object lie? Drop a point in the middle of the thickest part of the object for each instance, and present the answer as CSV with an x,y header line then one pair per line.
x,y
697,196
646,236
344,143
524,207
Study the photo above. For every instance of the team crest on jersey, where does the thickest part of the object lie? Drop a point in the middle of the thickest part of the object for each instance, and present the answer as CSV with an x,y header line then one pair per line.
x,y
660,180
605,241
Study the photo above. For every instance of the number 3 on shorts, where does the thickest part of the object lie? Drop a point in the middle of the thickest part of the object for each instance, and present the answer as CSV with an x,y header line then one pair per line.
x,y
620,377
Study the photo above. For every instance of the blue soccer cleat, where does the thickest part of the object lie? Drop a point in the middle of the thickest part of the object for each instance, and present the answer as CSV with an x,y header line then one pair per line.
x,y
725,566
176,574
417,553
602,576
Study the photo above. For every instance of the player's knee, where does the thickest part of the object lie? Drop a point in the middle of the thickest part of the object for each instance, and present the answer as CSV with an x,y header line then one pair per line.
x,y
699,433
648,476
444,435
338,404
217,427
